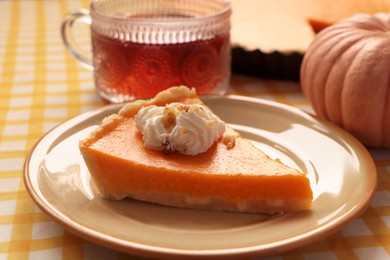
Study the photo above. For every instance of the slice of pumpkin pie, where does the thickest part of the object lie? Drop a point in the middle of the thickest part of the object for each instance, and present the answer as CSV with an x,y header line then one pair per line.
x,y
172,150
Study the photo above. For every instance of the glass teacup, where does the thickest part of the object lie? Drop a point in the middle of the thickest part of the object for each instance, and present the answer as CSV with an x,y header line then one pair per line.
x,y
140,47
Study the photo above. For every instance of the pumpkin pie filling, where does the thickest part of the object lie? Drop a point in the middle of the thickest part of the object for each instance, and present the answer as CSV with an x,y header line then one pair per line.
x,y
229,177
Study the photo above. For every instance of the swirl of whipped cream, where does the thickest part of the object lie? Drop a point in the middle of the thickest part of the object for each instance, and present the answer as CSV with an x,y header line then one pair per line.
x,y
188,129
148,122
196,130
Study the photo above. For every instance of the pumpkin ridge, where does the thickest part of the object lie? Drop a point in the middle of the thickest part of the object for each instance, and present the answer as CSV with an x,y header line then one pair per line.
x,y
310,87
382,21
365,23
336,67
313,46
387,24
364,124
338,116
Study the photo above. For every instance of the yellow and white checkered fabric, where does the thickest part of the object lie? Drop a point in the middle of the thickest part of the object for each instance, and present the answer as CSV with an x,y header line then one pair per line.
x,y
41,85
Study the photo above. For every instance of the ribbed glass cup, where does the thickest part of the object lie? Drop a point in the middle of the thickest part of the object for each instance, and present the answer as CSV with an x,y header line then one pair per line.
x,y
141,47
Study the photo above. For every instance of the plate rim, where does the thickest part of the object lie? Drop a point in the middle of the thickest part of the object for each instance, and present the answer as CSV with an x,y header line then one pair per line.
x,y
132,247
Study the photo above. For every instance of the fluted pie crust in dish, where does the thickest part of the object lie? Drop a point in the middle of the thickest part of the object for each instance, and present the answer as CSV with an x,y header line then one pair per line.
x,y
238,178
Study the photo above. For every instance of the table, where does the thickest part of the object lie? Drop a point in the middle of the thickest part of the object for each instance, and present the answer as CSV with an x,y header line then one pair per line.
x,y
41,85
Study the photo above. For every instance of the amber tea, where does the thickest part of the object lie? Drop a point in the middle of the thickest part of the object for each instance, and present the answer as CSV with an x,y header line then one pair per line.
x,y
142,70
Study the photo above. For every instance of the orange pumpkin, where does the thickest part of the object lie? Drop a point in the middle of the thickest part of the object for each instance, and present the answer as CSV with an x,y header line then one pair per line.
x,y
345,74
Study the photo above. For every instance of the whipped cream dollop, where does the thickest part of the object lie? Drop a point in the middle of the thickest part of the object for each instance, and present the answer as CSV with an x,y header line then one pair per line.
x,y
189,129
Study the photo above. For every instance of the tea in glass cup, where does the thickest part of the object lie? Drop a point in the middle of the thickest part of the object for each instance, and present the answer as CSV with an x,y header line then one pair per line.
x,y
141,47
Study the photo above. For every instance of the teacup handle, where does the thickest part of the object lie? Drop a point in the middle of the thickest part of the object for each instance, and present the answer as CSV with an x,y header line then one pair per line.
x,y
80,16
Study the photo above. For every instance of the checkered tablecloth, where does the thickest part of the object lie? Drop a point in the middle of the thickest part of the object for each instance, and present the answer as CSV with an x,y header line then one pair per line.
x,y
41,85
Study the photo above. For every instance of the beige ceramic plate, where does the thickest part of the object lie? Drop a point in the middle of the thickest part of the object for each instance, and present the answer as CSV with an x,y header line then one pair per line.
x,y
341,171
